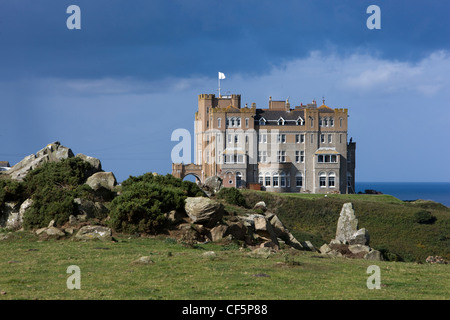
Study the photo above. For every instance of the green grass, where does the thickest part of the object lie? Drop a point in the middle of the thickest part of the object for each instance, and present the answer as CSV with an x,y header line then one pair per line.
x,y
30,269
391,222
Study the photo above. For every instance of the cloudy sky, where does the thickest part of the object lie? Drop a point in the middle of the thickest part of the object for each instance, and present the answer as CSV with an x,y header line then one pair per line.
x,y
117,88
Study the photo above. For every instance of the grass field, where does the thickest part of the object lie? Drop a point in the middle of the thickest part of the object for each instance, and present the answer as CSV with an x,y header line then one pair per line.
x,y
30,269
389,221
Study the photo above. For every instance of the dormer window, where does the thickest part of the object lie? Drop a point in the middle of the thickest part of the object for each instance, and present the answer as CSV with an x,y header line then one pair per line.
x,y
262,122
300,121
280,121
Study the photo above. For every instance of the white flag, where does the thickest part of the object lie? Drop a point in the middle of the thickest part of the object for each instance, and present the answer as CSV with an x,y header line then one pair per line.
x,y
221,76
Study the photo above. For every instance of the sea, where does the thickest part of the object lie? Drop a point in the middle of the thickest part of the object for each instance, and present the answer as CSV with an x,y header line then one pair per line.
x,y
435,191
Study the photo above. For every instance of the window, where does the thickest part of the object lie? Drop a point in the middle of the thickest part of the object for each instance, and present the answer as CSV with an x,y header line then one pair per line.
x,y
331,180
281,138
261,179
232,122
322,180
312,122
283,181
207,123
228,122
330,138
340,122
281,156
299,180
300,121
262,122
322,138
262,156
236,138
331,122
299,156
327,158
325,122
246,122
238,122
219,122
280,121
246,138
320,122
267,180
312,137
299,138
275,180
230,138
262,138
340,138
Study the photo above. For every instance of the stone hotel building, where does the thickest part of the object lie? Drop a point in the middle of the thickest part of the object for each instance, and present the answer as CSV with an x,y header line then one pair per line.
x,y
279,148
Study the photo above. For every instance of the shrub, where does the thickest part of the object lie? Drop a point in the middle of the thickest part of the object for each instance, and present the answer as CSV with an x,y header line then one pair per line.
x,y
11,191
232,196
144,200
424,217
53,187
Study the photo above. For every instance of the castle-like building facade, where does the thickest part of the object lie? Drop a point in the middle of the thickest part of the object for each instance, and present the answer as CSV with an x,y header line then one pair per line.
x,y
302,149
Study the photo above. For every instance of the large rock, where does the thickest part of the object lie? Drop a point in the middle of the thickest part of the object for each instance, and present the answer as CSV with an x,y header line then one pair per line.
x,y
102,180
94,162
213,184
10,217
203,210
94,233
374,255
53,152
218,232
347,227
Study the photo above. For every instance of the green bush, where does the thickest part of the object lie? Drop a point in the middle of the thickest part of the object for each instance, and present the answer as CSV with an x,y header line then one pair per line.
x,y
145,199
11,191
424,217
53,187
232,196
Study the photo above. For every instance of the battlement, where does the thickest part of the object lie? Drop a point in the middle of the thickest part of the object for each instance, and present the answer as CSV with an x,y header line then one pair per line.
x,y
206,96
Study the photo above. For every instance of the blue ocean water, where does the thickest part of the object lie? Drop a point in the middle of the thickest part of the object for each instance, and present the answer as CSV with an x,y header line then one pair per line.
x,y
436,191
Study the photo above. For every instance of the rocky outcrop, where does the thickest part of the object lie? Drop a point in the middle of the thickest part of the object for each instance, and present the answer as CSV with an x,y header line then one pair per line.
x,y
94,233
347,227
102,180
212,185
202,210
350,241
51,153
11,217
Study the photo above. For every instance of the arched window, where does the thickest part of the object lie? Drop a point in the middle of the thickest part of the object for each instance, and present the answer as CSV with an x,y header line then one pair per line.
x,y
331,179
267,180
276,178
322,179
238,179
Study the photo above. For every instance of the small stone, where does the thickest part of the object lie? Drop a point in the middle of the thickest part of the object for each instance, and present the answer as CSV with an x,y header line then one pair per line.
x,y
144,260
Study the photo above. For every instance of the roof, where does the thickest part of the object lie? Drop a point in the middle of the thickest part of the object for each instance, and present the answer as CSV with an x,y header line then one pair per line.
x,y
324,108
4,164
290,118
326,151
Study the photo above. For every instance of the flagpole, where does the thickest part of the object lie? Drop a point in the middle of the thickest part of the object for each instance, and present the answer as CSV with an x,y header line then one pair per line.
x,y
219,84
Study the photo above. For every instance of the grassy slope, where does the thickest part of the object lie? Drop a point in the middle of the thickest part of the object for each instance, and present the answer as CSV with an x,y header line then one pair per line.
x,y
37,270
390,221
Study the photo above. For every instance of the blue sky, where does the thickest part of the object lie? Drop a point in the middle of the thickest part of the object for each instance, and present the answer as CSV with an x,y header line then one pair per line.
x,y
117,88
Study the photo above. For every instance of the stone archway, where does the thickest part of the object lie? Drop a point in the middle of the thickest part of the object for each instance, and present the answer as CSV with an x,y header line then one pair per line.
x,y
181,170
